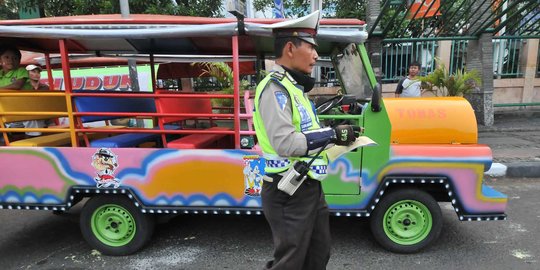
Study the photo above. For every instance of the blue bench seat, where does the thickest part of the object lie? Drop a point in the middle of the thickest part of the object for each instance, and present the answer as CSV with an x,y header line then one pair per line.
x,y
129,139
129,105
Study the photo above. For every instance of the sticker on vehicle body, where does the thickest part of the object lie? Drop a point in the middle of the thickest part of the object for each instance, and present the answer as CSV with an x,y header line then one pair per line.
x,y
253,174
105,162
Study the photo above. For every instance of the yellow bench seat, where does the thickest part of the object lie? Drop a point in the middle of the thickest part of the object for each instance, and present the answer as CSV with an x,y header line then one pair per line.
x,y
57,139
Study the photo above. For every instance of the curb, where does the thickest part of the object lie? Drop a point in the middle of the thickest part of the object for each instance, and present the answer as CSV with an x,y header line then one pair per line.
x,y
515,170
523,169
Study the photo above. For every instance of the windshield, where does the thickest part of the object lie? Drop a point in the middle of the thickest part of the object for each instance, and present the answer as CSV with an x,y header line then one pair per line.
x,y
351,72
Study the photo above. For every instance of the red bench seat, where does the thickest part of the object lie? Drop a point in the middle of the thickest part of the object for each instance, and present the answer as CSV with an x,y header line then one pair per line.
x,y
190,105
194,141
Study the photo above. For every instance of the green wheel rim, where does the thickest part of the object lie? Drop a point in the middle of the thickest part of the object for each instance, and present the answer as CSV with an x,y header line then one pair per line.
x,y
407,222
113,225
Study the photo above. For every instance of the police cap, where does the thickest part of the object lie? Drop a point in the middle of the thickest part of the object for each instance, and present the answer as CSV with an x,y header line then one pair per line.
x,y
304,28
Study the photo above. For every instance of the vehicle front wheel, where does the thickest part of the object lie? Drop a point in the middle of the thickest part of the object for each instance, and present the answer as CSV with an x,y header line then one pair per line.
x,y
406,221
114,226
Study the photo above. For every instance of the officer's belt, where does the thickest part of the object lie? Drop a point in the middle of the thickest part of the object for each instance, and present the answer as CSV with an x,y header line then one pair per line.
x,y
271,177
275,177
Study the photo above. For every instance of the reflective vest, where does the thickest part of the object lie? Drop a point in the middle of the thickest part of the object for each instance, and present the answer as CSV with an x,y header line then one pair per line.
x,y
304,119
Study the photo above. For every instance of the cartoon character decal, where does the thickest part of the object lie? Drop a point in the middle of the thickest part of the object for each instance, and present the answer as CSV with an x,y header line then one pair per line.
x,y
105,162
252,176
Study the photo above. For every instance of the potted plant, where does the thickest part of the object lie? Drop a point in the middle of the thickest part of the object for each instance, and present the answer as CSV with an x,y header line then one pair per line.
x,y
440,82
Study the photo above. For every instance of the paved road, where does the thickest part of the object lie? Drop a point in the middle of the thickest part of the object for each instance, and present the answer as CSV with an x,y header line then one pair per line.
x,y
41,240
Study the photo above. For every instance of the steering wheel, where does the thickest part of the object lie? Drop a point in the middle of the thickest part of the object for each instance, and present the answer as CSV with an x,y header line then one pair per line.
x,y
326,106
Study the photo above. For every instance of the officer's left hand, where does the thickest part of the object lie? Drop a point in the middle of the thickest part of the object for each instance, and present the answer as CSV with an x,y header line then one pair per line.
x,y
346,134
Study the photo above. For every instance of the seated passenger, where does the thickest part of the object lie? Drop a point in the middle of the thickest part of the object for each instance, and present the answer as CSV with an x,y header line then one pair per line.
x,y
11,76
34,75
14,77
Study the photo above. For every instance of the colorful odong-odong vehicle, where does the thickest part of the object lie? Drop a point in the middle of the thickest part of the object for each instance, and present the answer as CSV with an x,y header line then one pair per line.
x,y
189,156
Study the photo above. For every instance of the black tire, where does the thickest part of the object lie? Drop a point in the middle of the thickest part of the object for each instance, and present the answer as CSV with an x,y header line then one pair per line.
x,y
406,221
114,226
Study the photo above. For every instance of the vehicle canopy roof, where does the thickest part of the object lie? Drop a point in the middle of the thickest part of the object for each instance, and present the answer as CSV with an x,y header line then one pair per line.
x,y
161,34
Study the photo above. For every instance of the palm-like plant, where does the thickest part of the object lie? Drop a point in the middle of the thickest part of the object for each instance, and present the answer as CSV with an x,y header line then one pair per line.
x,y
219,70
457,84
224,76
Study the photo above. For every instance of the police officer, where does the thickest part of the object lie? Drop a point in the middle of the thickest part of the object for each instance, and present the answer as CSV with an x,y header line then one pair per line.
x,y
288,131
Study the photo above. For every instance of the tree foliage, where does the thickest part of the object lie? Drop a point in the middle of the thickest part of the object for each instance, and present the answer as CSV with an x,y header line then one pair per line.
x,y
331,8
204,8
295,8
8,10
351,9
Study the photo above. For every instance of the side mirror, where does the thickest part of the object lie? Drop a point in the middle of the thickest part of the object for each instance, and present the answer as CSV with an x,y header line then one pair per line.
x,y
376,98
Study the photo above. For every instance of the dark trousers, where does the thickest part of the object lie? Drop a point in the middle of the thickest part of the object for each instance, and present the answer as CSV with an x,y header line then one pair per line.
x,y
300,226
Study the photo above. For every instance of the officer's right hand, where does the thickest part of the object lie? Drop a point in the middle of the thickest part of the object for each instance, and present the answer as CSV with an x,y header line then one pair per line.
x,y
346,134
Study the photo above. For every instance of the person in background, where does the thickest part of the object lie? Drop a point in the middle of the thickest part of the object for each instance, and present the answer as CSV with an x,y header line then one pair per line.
x,y
11,75
289,133
410,86
34,75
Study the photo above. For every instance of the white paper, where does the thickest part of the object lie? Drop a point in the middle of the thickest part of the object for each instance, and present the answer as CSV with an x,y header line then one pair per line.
x,y
336,151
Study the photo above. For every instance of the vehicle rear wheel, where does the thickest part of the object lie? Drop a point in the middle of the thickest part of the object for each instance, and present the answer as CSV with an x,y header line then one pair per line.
x,y
406,221
114,226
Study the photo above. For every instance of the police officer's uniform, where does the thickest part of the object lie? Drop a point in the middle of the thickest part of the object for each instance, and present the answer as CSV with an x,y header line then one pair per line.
x,y
300,223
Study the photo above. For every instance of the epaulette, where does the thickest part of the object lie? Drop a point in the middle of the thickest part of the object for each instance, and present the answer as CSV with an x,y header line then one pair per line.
x,y
278,75
290,77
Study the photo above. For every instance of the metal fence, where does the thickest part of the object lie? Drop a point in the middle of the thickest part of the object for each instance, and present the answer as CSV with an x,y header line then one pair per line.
x,y
396,57
538,63
506,57
458,55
